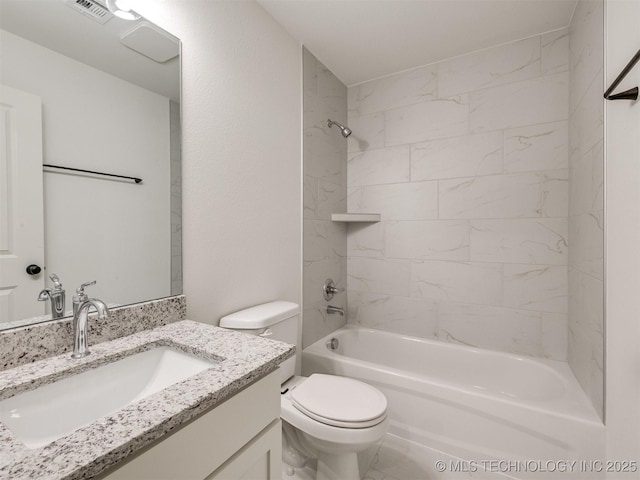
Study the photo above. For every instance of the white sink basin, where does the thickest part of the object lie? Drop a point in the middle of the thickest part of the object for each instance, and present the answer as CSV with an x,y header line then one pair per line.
x,y
52,411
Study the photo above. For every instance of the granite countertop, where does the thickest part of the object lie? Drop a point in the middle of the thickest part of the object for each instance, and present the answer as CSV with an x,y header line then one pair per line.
x,y
240,360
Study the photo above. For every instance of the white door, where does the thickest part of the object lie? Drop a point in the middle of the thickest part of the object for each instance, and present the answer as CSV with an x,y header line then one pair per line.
x,y
21,209
622,232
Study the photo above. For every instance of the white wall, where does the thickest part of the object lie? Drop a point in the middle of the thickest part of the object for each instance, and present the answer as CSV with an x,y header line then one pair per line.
x,y
241,106
466,160
586,199
622,147
95,229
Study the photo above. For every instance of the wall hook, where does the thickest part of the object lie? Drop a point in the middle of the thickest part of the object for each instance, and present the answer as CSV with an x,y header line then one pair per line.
x,y
632,93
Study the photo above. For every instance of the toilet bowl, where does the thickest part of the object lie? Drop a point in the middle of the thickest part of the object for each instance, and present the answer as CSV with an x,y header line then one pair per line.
x,y
326,417
333,431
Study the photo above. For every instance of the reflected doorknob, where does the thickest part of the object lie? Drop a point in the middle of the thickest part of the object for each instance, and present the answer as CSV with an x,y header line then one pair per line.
x,y
33,269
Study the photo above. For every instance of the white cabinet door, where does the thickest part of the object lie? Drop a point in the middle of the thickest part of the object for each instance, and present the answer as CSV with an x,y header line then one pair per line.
x,y
21,209
260,459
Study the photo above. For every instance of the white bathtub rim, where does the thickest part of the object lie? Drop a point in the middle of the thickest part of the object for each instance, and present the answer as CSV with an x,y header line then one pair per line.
x,y
575,405
484,404
555,365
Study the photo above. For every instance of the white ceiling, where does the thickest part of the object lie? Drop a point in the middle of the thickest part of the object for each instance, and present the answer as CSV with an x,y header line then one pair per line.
x,y
359,40
56,26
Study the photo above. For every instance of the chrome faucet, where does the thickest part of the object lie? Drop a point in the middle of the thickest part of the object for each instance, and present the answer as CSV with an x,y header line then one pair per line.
x,y
56,295
81,305
331,309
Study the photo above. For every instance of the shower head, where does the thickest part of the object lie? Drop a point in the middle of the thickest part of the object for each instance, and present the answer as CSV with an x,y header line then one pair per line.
x,y
346,131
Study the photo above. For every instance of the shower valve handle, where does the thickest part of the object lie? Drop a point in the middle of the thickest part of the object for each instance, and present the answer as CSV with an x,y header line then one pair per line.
x,y
329,289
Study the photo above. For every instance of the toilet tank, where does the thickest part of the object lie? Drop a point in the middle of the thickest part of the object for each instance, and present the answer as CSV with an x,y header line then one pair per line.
x,y
274,320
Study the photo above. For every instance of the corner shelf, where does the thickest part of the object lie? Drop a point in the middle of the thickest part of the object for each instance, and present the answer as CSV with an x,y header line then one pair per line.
x,y
355,217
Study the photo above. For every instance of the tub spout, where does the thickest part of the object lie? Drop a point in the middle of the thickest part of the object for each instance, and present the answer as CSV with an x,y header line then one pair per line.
x,y
339,310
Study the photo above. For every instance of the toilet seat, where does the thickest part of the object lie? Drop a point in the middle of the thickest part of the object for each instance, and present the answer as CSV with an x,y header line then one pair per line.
x,y
339,401
342,436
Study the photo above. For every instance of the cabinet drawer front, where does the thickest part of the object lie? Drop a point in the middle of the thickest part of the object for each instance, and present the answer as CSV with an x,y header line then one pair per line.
x,y
204,444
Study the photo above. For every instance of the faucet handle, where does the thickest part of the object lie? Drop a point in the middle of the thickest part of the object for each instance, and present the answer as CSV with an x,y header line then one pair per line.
x,y
80,296
80,291
329,289
57,285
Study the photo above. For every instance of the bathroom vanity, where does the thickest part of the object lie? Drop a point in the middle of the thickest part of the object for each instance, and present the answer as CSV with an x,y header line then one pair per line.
x,y
233,440
222,422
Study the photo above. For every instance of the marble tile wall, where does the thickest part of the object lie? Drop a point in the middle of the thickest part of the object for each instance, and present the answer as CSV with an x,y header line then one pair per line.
x,y
467,161
586,204
324,193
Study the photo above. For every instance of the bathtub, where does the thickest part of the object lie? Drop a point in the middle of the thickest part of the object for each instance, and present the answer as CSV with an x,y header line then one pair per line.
x,y
471,403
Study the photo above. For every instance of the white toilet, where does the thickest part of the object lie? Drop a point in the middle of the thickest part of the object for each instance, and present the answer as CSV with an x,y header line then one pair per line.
x,y
327,417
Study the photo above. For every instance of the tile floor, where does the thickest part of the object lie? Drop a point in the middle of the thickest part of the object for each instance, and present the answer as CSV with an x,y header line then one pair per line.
x,y
400,459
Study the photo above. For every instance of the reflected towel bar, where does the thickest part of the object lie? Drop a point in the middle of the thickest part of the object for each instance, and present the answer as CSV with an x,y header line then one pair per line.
x,y
632,93
137,180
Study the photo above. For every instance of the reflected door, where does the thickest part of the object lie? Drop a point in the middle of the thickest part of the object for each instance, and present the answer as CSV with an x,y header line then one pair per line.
x,y
21,209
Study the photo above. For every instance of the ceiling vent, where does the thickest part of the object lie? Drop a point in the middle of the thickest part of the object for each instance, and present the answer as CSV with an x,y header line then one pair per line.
x,y
152,42
91,9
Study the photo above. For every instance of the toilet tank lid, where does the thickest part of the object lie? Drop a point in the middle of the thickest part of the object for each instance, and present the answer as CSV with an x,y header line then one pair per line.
x,y
260,316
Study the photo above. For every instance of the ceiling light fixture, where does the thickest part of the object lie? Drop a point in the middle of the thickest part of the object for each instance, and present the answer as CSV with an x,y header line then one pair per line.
x,y
122,9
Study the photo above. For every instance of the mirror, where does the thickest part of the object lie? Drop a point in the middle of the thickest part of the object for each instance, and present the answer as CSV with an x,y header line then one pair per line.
x,y
101,95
